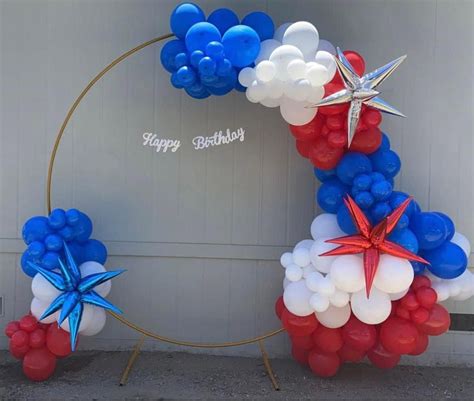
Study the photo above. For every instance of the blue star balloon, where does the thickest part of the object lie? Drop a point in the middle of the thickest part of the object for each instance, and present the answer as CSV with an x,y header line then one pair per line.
x,y
76,291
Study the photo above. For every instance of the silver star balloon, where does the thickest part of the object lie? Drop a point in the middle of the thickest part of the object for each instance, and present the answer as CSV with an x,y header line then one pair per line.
x,y
360,90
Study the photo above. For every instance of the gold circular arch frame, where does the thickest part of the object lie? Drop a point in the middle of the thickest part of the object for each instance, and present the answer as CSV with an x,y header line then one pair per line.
x,y
120,318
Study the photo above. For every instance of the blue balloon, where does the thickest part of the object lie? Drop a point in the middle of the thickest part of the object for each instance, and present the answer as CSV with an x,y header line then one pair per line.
x,y
446,261
77,251
376,177
53,242
385,145
67,233
418,268
184,17
83,229
241,45
50,261
323,175
344,220
331,194
406,239
197,91
215,50
364,199
397,198
175,81
381,190
186,76
94,250
169,52
429,228
200,34
404,222
362,182
36,249
449,225
73,216
224,84
207,66
379,211
57,219
351,165
36,229
260,23
27,269
386,162
209,79
223,19
224,67
196,57
181,59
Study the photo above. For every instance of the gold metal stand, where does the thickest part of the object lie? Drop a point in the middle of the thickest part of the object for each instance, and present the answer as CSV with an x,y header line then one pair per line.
x,y
131,361
268,367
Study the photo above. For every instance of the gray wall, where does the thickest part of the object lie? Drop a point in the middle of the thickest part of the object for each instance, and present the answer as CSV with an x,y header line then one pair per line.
x,y
200,232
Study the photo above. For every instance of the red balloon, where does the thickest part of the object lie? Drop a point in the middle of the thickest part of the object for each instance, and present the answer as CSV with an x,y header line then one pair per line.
x,y
300,355
403,312
426,296
28,323
298,325
419,316
398,336
18,352
366,141
371,118
308,131
20,338
382,358
420,281
438,322
324,156
279,306
324,364
409,301
357,63
304,148
329,89
302,342
422,342
335,122
58,341
327,340
337,139
12,328
39,364
37,338
359,335
349,354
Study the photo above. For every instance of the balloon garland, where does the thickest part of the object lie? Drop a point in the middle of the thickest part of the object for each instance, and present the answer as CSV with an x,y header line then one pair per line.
x,y
337,305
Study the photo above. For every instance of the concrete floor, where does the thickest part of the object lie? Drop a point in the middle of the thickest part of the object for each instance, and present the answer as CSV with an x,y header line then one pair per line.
x,y
180,376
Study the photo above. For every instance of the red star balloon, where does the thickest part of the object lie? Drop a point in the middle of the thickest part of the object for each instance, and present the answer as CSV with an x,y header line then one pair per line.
x,y
371,241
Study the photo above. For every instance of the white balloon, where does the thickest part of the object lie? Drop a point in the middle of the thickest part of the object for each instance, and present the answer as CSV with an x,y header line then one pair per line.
x,y
256,91
317,74
265,71
299,90
325,226
326,286
454,287
372,310
306,243
334,317
339,298
461,241
295,112
38,307
301,257
286,259
266,48
281,57
286,282
294,272
89,268
327,46
247,76
269,102
280,31
296,298
43,289
307,270
304,36
316,94
398,295
297,69
275,89
322,263
319,302
87,316
442,291
347,273
313,279
324,58
96,324
393,274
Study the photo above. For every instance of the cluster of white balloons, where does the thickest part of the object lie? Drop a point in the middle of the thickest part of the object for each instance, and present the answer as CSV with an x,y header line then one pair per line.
x,y
290,72
459,288
332,286
93,318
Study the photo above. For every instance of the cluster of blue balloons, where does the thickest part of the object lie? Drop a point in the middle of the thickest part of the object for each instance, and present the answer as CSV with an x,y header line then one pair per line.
x,y
207,56
45,237
369,180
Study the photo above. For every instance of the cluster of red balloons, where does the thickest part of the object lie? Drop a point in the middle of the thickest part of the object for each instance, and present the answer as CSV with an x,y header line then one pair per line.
x,y
38,345
324,139
325,349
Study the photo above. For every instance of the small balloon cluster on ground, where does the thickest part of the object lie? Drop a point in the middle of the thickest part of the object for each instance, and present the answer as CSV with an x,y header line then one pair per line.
x,y
207,55
327,340
45,238
38,345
